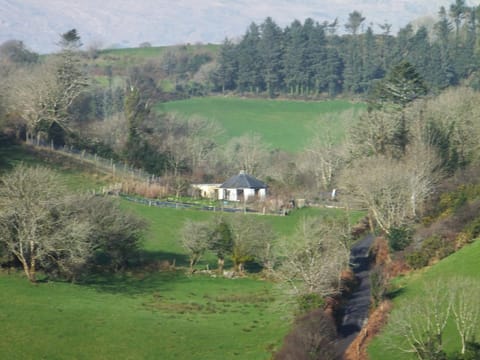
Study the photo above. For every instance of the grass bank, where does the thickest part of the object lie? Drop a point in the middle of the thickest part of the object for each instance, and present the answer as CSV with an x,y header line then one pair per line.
x,y
462,263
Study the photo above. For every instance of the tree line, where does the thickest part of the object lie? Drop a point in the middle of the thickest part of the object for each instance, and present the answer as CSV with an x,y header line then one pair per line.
x,y
311,59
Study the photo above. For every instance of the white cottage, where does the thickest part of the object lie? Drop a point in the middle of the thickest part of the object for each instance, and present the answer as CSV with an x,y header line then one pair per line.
x,y
242,187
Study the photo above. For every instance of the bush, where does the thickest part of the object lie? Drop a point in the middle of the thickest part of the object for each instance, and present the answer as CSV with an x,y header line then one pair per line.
x,y
399,238
417,259
434,247
309,302
312,338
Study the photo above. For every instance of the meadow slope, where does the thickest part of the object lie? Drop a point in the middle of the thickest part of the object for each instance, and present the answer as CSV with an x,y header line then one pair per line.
x,y
463,263
283,124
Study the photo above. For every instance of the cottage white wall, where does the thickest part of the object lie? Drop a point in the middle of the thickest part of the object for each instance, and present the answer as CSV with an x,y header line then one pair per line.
x,y
247,193
231,194
262,193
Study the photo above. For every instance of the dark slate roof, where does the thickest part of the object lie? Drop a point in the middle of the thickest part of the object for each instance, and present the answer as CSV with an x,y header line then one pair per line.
x,y
243,181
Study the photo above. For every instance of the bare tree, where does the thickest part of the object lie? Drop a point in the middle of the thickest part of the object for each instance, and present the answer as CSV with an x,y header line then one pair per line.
x,y
112,131
374,134
201,135
265,247
322,159
247,152
417,327
28,89
465,308
34,225
42,94
195,240
314,257
393,190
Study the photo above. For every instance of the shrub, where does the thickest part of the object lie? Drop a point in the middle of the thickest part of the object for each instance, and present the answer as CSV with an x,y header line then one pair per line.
x,y
309,302
434,247
399,238
417,259
312,338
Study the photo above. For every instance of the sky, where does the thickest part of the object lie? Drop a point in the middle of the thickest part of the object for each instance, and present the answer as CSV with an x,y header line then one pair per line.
x,y
128,23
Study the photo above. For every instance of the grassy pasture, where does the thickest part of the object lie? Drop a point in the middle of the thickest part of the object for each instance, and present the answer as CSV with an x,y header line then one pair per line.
x,y
144,315
76,175
163,316
284,124
462,263
162,242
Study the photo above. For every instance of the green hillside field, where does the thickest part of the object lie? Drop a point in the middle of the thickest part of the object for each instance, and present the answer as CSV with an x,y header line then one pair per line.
x,y
283,124
145,313
463,263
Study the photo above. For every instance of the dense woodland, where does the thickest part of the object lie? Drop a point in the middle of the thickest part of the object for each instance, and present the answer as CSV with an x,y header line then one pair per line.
x,y
310,59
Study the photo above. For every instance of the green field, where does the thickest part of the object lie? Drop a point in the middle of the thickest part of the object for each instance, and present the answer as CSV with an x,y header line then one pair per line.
x,y
165,315
162,316
143,314
462,263
283,124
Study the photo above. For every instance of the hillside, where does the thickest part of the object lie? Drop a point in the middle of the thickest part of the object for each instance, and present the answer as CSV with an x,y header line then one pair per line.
x,y
148,312
283,124
463,263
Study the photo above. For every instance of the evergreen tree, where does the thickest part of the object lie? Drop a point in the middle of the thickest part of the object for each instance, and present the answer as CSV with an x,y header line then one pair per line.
x,y
445,71
295,58
386,45
334,67
403,85
70,40
403,46
271,51
227,71
457,13
316,56
353,59
420,53
466,59
371,60
250,65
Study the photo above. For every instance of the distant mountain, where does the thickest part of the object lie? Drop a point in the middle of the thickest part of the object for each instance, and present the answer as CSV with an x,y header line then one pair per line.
x,y
127,23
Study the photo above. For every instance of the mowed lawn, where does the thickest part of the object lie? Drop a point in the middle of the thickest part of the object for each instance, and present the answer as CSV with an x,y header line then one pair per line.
x,y
463,263
283,124
144,315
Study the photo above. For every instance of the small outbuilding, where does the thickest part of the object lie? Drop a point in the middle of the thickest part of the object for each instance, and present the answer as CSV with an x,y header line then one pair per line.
x,y
242,187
